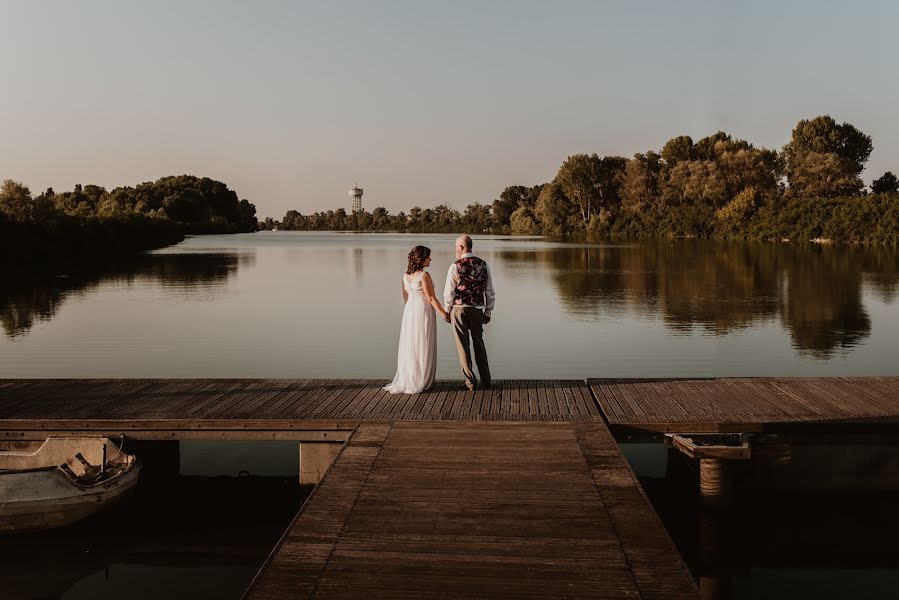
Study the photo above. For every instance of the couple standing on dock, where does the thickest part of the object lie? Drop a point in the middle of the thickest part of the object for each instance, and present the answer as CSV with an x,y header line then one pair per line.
x,y
468,299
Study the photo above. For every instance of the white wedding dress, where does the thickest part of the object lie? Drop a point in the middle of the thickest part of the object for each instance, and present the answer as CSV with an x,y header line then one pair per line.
x,y
416,361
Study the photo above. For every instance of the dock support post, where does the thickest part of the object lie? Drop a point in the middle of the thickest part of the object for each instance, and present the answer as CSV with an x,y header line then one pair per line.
x,y
712,484
714,582
315,458
712,450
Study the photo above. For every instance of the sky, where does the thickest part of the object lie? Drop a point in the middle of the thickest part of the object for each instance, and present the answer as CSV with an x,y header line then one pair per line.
x,y
420,102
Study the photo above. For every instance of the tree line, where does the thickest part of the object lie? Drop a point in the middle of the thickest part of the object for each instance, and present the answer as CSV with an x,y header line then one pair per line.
x,y
93,221
715,187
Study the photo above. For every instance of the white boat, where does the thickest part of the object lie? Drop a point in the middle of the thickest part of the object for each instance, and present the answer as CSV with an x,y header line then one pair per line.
x,y
65,480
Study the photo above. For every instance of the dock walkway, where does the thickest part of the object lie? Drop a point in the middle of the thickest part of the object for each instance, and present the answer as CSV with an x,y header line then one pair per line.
x,y
747,404
464,510
519,490
302,409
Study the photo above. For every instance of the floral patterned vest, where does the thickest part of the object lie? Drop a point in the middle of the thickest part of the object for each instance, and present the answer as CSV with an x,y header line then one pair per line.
x,y
472,281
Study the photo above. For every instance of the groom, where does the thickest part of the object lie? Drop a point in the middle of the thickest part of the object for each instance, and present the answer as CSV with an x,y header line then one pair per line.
x,y
469,288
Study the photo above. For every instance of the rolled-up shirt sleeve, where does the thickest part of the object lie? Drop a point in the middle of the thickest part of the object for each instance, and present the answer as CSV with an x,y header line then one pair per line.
x,y
449,290
489,295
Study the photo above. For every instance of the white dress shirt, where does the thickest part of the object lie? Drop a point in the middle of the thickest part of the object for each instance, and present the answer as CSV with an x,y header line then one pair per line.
x,y
452,280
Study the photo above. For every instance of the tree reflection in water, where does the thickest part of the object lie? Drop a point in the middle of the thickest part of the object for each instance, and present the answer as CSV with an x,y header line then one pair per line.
x,y
815,291
29,297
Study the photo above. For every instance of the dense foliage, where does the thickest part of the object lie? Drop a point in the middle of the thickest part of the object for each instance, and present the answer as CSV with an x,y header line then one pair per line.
x,y
91,221
716,187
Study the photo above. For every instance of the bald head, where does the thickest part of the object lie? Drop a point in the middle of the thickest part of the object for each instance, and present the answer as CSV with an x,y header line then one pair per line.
x,y
463,245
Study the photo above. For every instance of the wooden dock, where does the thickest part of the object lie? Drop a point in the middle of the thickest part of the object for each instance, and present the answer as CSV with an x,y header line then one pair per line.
x,y
748,404
477,510
302,409
518,490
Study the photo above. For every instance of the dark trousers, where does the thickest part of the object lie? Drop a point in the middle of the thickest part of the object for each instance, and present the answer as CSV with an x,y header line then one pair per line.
x,y
468,325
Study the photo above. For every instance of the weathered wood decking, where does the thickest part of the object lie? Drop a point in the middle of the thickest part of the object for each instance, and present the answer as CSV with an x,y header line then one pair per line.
x,y
486,510
512,491
747,404
184,408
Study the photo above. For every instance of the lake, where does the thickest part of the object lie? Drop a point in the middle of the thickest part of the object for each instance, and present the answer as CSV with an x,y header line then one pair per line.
x,y
310,304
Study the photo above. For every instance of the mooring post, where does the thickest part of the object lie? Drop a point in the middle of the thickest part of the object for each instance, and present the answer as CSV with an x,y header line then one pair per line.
x,y
315,458
712,482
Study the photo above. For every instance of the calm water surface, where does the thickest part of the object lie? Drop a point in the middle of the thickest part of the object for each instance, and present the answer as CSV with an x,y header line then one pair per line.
x,y
291,304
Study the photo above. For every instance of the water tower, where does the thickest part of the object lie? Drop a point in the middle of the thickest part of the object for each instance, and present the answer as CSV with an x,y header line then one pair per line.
x,y
356,193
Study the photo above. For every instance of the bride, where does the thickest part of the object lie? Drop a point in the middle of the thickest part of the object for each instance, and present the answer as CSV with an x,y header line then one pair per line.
x,y
416,361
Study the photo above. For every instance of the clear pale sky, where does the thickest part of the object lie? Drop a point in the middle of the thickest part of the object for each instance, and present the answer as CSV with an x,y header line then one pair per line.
x,y
420,102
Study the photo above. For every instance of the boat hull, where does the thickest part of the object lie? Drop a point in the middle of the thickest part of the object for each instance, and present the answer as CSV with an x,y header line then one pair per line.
x,y
36,498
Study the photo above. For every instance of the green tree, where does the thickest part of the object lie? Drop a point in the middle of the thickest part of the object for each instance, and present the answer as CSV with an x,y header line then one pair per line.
x,y
17,204
81,201
186,205
820,146
337,220
592,182
640,181
555,213
742,168
732,219
510,200
246,216
416,218
361,221
713,146
523,221
885,184
444,218
678,149
292,221
816,174
476,217
611,178
380,219
579,178
695,182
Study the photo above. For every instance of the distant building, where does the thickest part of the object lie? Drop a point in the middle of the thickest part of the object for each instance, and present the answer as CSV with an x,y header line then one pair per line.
x,y
356,193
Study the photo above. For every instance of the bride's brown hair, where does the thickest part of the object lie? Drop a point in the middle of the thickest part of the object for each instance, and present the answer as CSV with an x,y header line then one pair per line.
x,y
417,256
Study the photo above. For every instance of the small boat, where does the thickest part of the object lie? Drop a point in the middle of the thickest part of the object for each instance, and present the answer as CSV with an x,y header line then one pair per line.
x,y
65,480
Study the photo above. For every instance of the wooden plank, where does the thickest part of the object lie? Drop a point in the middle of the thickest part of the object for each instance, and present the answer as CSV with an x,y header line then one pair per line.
x,y
301,388
299,557
221,389
684,405
226,404
458,509
747,404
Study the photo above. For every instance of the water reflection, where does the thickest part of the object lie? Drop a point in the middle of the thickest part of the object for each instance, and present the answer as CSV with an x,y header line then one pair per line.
x,y
816,292
291,304
34,296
